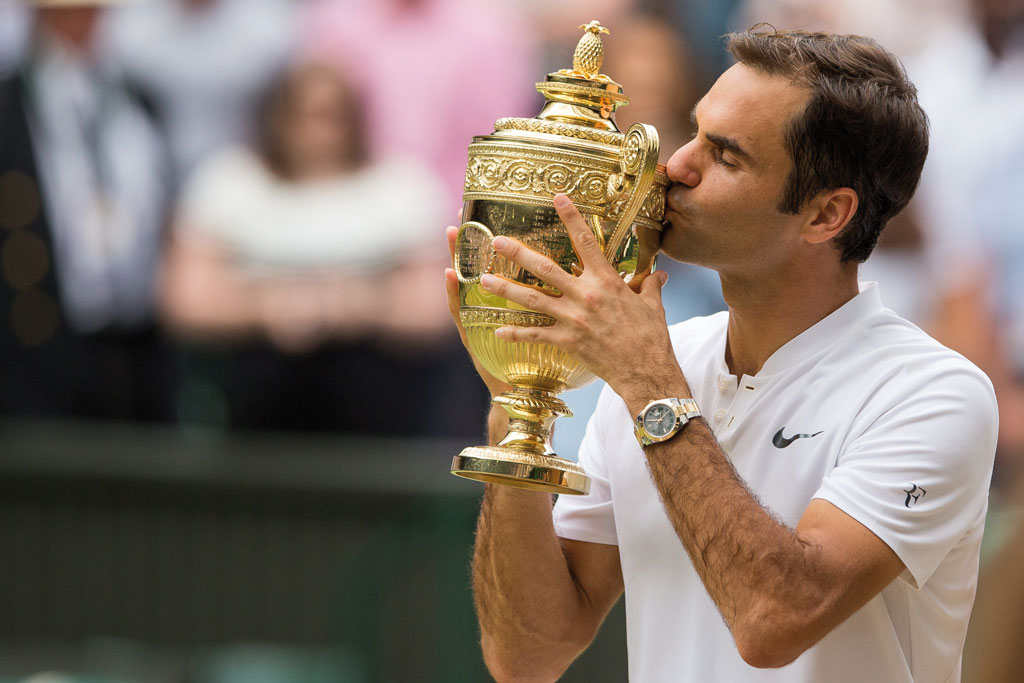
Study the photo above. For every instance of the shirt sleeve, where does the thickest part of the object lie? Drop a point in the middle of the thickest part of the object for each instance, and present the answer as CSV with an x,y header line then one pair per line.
x,y
591,517
918,475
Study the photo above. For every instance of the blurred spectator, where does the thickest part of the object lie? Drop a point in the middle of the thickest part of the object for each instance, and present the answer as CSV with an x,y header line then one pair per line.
x,y
643,54
555,27
435,73
14,30
309,244
992,653
203,65
702,23
81,211
976,202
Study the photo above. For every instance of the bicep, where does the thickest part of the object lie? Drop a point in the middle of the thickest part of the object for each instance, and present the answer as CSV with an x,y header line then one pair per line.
x,y
856,562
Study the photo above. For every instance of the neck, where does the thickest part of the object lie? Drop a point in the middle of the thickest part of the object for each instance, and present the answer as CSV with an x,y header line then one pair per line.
x,y
766,313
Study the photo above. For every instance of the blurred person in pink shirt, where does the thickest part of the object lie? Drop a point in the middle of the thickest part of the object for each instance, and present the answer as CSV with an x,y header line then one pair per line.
x,y
435,73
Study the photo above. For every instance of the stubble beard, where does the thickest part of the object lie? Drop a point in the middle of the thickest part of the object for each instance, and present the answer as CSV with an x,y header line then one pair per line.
x,y
681,240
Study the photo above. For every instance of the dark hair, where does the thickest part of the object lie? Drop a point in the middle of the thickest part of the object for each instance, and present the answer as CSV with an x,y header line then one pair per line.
x,y
277,108
862,126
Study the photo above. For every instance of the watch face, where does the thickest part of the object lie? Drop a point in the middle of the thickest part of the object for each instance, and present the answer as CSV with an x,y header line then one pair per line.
x,y
659,420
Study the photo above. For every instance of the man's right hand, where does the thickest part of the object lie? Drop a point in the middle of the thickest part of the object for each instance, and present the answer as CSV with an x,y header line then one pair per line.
x,y
451,283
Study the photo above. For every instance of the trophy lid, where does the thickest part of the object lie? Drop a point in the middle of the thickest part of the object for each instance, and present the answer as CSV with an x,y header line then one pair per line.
x,y
583,95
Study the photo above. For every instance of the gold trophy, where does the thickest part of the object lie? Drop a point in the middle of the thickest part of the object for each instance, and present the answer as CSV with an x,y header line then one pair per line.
x,y
574,147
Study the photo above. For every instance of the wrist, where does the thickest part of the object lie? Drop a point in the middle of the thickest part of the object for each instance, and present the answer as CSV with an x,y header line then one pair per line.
x,y
642,390
497,424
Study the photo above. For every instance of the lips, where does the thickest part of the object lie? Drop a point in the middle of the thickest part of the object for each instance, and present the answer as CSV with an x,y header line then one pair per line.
x,y
670,205
670,208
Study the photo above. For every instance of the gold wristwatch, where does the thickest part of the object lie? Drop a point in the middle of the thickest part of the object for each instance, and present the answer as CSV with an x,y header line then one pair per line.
x,y
662,419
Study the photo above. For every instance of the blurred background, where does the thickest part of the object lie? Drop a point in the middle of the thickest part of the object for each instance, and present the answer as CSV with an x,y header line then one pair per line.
x,y
229,387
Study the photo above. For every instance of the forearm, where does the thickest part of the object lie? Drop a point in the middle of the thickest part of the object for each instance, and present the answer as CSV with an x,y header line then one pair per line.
x,y
202,296
224,311
527,601
770,586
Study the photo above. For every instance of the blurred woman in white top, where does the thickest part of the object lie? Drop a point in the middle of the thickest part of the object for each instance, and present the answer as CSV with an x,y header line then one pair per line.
x,y
308,244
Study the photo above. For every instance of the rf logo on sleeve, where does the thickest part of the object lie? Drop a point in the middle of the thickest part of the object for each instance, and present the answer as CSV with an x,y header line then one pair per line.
x,y
913,494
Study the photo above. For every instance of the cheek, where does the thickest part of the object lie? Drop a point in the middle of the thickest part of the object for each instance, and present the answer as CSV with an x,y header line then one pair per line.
x,y
744,198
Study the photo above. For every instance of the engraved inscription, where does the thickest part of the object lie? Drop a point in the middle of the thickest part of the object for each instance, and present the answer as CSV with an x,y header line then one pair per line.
x,y
473,251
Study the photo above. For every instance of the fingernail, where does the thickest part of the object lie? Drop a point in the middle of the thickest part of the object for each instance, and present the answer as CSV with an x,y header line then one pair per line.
x,y
486,281
663,276
500,332
561,201
499,242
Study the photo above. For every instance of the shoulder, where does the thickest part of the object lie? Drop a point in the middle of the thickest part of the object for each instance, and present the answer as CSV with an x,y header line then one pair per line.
x,y
232,159
223,184
915,390
230,166
409,174
420,194
700,327
896,349
697,339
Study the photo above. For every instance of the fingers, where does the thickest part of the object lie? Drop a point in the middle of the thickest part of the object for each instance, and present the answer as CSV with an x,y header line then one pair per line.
x,y
579,232
544,268
451,287
452,233
530,297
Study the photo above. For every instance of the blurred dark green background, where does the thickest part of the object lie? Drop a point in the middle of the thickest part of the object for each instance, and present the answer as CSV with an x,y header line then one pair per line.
x,y
148,554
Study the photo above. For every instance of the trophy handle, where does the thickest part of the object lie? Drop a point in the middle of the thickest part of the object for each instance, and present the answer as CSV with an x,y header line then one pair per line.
x,y
639,160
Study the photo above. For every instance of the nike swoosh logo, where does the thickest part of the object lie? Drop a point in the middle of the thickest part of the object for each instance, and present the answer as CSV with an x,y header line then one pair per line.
x,y
780,441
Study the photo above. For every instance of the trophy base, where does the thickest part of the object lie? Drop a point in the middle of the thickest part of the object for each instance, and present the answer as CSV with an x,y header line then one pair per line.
x,y
514,467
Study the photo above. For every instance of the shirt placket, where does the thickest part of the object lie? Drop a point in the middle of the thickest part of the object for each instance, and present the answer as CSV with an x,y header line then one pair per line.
x,y
735,400
725,395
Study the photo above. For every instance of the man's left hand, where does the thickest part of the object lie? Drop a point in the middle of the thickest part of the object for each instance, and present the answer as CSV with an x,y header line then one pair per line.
x,y
619,335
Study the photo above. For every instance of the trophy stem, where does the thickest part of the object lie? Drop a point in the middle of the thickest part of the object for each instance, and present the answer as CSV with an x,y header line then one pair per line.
x,y
524,457
531,413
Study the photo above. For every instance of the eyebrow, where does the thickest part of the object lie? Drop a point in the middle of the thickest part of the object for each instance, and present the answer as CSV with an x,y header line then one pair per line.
x,y
722,141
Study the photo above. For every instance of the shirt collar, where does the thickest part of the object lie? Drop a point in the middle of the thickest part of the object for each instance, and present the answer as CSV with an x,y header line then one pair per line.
x,y
814,339
826,331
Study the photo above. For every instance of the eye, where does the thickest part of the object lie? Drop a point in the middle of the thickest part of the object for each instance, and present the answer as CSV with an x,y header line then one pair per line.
x,y
718,154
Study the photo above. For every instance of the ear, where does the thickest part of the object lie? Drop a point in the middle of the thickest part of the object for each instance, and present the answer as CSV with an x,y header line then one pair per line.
x,y
830,213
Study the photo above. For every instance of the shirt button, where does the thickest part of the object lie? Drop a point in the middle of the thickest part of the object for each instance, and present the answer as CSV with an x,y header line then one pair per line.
x,y
719,414
723,384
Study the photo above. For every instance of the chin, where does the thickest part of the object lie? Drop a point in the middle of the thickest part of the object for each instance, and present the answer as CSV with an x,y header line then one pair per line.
x,y
676,245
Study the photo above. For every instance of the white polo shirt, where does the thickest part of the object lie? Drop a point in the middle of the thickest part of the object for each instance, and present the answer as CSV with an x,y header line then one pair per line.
x,y
895,429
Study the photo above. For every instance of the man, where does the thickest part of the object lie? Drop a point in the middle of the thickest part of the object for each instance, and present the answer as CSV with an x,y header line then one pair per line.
x,y
82,206
825,514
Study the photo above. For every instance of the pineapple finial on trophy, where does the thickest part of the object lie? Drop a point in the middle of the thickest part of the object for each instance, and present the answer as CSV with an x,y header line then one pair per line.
x,y
589,54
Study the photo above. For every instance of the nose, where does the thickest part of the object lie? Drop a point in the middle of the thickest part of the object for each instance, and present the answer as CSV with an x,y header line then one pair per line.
x,y
682,165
